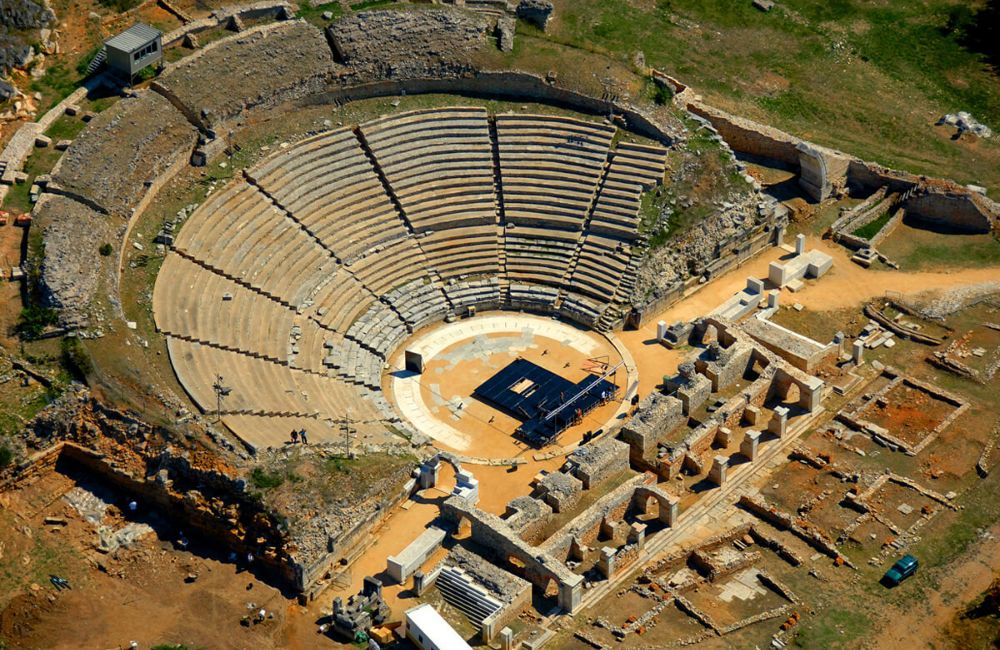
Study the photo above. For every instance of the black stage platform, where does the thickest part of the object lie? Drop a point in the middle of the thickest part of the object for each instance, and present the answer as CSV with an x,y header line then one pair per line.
x,y
534,395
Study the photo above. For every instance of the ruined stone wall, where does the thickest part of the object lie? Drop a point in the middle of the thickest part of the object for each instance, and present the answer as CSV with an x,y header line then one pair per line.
x,y
259,68
197,490
957,209
657,416
505,84
750,137
495,536
586,527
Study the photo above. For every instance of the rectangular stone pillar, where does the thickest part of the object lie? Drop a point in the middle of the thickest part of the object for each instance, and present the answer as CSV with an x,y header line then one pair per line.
x,y
755,285
661,330
723,436
858,352
800,244
717,474
577,551
607,528
670,510
779,423
506,639
751,415
606,562
749,445
429,475
772,298
637,534
570,594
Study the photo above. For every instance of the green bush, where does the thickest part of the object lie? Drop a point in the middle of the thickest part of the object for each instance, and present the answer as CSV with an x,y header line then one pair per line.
x,y
34,319
120,6
6,458
261,479
662,95
75,358
106,249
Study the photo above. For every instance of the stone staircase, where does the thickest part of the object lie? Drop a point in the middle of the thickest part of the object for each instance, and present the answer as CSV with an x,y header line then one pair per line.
x,y
461,592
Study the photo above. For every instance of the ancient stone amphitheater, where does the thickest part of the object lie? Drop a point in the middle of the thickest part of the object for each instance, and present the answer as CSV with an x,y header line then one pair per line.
x,y
297,281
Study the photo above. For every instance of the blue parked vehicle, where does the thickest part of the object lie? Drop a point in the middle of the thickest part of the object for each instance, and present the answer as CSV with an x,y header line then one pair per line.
x,y
904,567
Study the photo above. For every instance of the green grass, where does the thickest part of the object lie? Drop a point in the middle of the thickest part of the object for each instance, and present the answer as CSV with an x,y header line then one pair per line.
x,y
56,84
866,78
18,198
368,4
832,628
873,227
65,128
314,11
261,479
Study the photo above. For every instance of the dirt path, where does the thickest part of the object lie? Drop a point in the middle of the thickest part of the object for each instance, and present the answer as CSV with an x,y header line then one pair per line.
x,y
925,623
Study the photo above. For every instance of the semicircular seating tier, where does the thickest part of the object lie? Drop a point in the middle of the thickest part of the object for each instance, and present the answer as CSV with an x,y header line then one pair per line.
x,y
296,281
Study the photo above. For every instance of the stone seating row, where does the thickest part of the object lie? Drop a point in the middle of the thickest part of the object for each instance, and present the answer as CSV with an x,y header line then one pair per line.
x,y
340,301
580,309
239,232
538,254
439,164
599,267
198,304
483,293
418,302
329,185
308,345
456,252
532,296
256,386
354,363
389,265
632,170
379,329
550,167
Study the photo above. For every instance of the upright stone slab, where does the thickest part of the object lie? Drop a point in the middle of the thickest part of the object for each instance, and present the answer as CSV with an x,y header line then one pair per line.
x,y
800,244
414,361
773,298
661,330
718,472
858,352
506,639
606,562
637,534
779,423
755,285
748,448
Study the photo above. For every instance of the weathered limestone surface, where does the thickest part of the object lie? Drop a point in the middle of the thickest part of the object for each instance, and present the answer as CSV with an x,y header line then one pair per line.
x,y
70,271
536,12
822,171
262,67
408,44
122,152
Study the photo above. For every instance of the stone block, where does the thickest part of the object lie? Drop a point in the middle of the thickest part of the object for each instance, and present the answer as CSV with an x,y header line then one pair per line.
x,y
748,448
717,474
